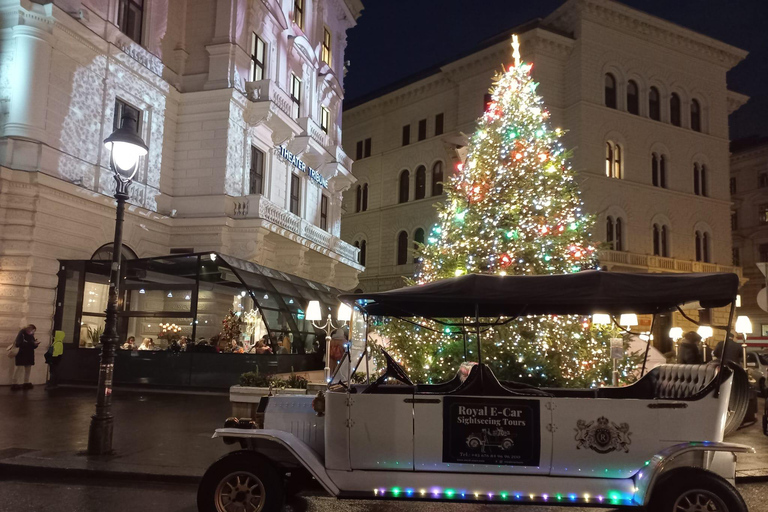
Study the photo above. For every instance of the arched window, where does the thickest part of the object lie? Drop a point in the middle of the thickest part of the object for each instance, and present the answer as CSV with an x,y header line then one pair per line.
x,y
695,116
418,238
405,177
702,246
437,179
363,250
674,109
658,170
365,198
402,248
654,104
660,233
613,168
633,98
614,233
700,179
421,182
358,198
610,91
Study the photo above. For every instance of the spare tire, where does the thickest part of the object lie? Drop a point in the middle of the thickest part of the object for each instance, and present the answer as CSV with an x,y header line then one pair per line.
x,y
739,400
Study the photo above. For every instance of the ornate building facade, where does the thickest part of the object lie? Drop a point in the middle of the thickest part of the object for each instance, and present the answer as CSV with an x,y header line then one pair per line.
x,y
645,106
239,102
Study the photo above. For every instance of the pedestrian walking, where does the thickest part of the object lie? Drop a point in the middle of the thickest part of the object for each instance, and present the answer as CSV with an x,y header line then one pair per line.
x,y
688,351
25,358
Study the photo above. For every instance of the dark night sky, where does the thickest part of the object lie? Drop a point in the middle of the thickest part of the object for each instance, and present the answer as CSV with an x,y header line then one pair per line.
x,y
397,38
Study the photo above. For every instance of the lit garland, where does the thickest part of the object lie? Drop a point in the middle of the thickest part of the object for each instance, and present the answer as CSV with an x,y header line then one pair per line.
x,y
513,207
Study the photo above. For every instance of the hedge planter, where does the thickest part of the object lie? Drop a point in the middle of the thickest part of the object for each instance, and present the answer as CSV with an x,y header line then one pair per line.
x,y
245,399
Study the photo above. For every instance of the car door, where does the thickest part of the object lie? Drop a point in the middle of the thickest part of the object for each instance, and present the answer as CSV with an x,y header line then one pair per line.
x,y
603,437
474,434
381,431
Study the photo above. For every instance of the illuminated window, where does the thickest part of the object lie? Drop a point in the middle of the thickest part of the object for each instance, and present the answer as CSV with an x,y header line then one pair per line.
x,y
325,53
610,91
130,14
296,95
298,13
325,119
613,161
258,49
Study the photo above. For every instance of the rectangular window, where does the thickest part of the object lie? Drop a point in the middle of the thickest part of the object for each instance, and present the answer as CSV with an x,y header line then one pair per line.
x,y
762,180
298,13
130,14
296,96
367,152
325,54
257,171
764,214
325,119
439,118
359,150
122,107
406,135
422,129
258,51
295,186
732,185
324,212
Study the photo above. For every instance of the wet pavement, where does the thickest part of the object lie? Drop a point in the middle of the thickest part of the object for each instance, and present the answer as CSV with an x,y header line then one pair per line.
x,y
156,433
93,496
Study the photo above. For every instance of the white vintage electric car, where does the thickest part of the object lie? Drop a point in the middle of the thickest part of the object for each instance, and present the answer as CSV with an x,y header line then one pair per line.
x,y
657,443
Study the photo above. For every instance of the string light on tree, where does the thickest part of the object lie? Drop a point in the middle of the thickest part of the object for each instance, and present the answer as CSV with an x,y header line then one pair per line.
x,y
513,207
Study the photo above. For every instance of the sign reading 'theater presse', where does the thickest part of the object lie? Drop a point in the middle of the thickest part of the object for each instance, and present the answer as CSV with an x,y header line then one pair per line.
x,y
295,161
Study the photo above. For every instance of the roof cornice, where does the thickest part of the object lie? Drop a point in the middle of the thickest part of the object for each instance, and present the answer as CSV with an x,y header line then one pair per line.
x,y
646,26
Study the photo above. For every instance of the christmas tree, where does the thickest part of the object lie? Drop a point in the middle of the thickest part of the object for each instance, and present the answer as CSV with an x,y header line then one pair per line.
x,y
512,208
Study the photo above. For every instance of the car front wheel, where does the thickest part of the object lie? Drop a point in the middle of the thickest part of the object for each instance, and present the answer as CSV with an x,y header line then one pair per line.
x,y
240,482
695,490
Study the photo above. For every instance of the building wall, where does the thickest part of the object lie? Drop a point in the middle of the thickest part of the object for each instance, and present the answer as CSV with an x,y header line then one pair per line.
x,y
64,63
571,50
750,236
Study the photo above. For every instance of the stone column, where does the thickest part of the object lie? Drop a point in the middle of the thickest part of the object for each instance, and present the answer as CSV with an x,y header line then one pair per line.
x,y
29,78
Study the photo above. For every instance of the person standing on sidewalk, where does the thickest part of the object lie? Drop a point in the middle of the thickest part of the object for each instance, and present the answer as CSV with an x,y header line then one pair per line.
x,y
53,359
25,359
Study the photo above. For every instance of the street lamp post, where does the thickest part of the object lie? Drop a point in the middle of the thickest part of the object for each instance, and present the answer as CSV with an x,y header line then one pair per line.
x,y
314,315
743,327
125,148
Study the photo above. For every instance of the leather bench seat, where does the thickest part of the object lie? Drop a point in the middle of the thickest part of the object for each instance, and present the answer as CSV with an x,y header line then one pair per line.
x,y
677,381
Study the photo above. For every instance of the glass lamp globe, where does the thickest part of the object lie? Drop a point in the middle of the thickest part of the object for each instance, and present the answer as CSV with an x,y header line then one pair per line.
x,y
313,311
126,146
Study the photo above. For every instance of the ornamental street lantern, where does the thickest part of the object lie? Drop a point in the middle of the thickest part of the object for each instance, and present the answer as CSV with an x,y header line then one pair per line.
x,y
125,146
344,315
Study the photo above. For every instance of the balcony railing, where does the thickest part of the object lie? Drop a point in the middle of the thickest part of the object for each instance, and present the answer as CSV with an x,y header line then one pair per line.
x,y
313,130
249,207
661,264
267,90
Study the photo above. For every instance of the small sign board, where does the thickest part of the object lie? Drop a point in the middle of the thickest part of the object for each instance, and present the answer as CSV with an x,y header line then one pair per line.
x,y
617,348
494,431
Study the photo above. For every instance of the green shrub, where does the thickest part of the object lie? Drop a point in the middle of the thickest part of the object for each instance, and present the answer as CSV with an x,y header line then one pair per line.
x,y
296,381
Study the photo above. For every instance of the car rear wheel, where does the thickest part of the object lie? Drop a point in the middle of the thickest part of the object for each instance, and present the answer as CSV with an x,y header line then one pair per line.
x,y
240,482
695,490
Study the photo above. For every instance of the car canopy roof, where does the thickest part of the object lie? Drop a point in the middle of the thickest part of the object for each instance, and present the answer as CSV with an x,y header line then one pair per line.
x,y
581,293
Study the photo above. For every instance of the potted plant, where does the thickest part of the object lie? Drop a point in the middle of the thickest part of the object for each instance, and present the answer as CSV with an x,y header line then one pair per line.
x,y
245,397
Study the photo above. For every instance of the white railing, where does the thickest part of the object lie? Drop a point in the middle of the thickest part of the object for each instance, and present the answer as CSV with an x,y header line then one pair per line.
x,y
661,264
267,90
257,206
